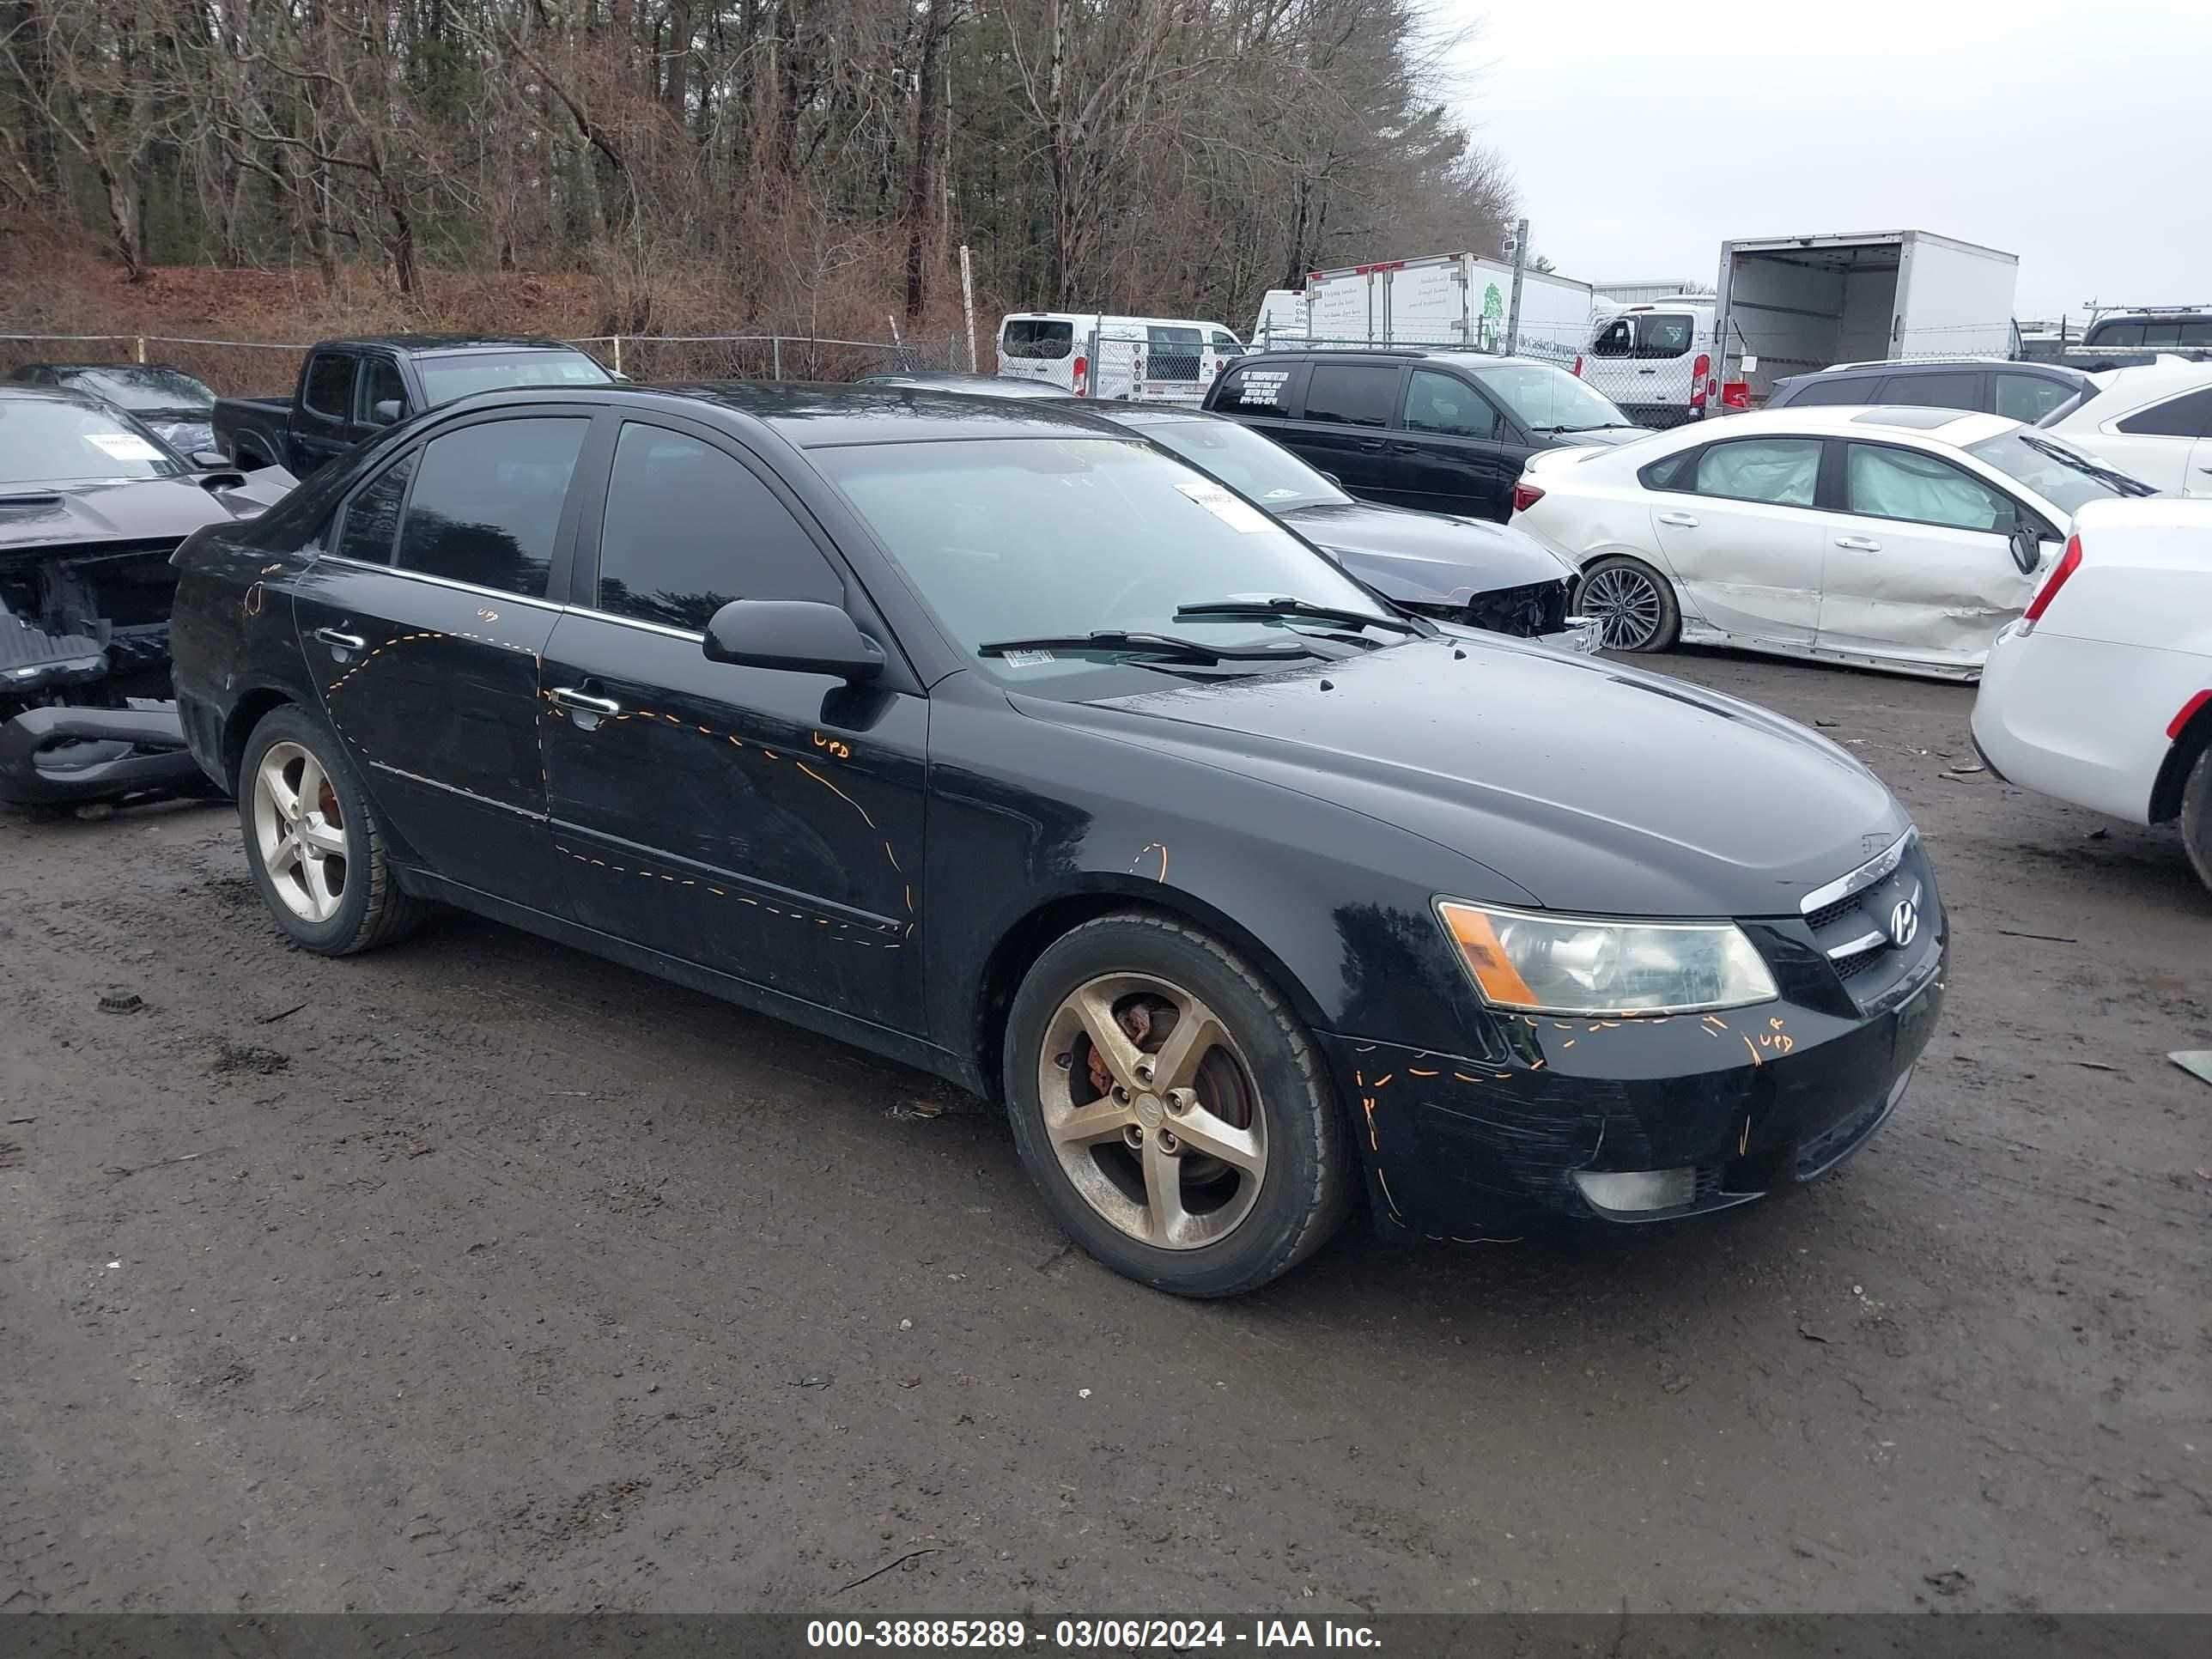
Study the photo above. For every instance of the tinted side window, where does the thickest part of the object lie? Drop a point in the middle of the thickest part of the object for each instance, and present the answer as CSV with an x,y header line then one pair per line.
x,y
1779,472
1675,473
379,384
688,529
1032,336
2189,415
1835,389
2115,334
2197,334
329,385
2029,396
1959,391
2161,334
1663,334
1254,386
488,502
372,517
1351,394
1880,482
1446,404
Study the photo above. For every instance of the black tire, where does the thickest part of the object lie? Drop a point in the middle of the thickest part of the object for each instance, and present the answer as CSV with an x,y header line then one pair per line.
x,y
1623,629
1310,1178
2196,816
372,911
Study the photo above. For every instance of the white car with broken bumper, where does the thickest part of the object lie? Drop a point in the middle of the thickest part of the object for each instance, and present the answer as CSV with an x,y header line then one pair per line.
x,y
1895,538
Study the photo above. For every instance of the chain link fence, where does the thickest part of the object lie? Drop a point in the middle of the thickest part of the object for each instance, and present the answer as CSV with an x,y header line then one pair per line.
x,y
270,369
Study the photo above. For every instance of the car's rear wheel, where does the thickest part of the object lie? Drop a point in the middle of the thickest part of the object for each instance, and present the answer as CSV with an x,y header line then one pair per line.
x,y
2196,816
1633,605
1171,1108
314,844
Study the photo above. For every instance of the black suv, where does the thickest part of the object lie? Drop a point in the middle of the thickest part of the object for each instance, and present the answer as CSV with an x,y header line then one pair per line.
x,y
2018,391
1445,431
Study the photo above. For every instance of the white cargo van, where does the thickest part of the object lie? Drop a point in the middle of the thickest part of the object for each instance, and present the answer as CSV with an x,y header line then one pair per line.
x,y
1091,354
1656,361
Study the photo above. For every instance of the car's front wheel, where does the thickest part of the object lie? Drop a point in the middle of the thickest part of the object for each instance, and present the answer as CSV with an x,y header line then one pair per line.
x,y
1172,1109
314,844
1633,605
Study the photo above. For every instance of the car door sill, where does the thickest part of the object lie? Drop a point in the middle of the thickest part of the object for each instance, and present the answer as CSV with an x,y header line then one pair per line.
x,y
883,1039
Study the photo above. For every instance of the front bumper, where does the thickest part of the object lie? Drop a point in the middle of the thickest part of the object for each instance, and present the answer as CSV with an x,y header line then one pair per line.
x,y
60,756
1750,1101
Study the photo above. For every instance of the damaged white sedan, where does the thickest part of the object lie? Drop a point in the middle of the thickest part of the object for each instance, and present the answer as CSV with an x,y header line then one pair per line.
x,y
1900,539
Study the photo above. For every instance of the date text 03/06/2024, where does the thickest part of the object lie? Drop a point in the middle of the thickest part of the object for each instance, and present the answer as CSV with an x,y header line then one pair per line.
x,y
1079,1635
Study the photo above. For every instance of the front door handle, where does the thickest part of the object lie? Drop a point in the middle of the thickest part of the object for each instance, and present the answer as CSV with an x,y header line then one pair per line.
x,y
1683,518
569,696
1368,443
347,641
1859,543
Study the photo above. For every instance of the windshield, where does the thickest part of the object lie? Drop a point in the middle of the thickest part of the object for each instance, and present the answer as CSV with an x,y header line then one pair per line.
x,y
445,378
142,388
1547,399
43,442
1023,538
2064,478
1247,461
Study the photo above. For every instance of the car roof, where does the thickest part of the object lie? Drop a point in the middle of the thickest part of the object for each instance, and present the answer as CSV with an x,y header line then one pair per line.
x,y
1462,357
2149,380
449,342
820,414
1940,365
976,385
105,368
1959,426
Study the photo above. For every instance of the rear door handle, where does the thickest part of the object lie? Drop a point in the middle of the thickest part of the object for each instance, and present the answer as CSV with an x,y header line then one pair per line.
x,y
348,641
1859,543
570,696
1682,519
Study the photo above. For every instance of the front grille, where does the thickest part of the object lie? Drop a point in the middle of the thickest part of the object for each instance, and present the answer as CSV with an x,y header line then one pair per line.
x,y
1534,609
1857,931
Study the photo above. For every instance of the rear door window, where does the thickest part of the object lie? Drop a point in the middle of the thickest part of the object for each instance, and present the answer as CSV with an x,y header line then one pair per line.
x,y
1837,390
329,385
487,503
1881,483
2029,396
2116,334
1960,391
2189,415
2197,334
1254,389
688,528
1778,472
1351,394
1445,403
1037,337
372,517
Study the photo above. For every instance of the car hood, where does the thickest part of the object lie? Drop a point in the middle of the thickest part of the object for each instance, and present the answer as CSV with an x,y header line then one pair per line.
x,y
1427,558
74,514
1589,786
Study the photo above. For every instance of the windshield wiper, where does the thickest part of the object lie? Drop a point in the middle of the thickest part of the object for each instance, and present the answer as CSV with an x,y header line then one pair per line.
x,y
1595,426
2124,482
1165,645
1297,609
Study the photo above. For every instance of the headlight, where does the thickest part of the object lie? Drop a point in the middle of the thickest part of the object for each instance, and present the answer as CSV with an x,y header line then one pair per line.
x,y
1537,963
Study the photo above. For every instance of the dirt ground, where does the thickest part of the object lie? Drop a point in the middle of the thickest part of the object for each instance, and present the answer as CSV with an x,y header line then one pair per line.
x,y
479,1273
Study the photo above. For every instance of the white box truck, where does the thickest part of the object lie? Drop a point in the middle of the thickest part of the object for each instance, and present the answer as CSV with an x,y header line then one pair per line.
x,y
1449,299
1788,304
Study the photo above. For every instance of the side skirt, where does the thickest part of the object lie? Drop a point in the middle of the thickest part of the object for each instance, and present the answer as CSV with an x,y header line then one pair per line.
x,y
906,1049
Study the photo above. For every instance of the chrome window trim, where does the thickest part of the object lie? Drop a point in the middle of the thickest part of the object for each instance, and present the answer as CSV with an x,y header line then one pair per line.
x,y
593,611
1879,867
441,581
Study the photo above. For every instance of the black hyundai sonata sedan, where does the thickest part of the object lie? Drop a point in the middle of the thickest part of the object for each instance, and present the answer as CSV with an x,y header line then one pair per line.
x,y
996,741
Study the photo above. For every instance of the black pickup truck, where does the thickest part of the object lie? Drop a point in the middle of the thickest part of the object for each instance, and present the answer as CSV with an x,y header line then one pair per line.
x,y
348,389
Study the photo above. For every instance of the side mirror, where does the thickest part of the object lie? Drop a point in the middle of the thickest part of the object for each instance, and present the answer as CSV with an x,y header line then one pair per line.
x,y
2027,549
385,412
209,460
804,637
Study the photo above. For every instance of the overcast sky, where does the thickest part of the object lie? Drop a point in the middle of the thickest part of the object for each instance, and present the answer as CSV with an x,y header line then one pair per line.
x,y
1642,133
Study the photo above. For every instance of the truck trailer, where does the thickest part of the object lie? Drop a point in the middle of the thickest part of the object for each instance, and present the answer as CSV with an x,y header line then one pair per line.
x,y
1449,300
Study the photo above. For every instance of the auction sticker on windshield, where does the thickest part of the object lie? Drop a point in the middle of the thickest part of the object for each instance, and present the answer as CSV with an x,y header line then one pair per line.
x,y
124,447
1238,515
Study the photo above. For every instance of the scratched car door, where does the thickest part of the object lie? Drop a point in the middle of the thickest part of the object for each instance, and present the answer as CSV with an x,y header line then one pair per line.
x,y
762,823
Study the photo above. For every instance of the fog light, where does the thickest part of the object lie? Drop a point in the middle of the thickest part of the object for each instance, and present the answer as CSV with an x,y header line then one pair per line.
x,y
1628,1191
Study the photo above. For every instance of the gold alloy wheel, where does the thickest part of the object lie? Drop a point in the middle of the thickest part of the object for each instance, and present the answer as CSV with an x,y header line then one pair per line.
x,y
1152,1110
299,831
